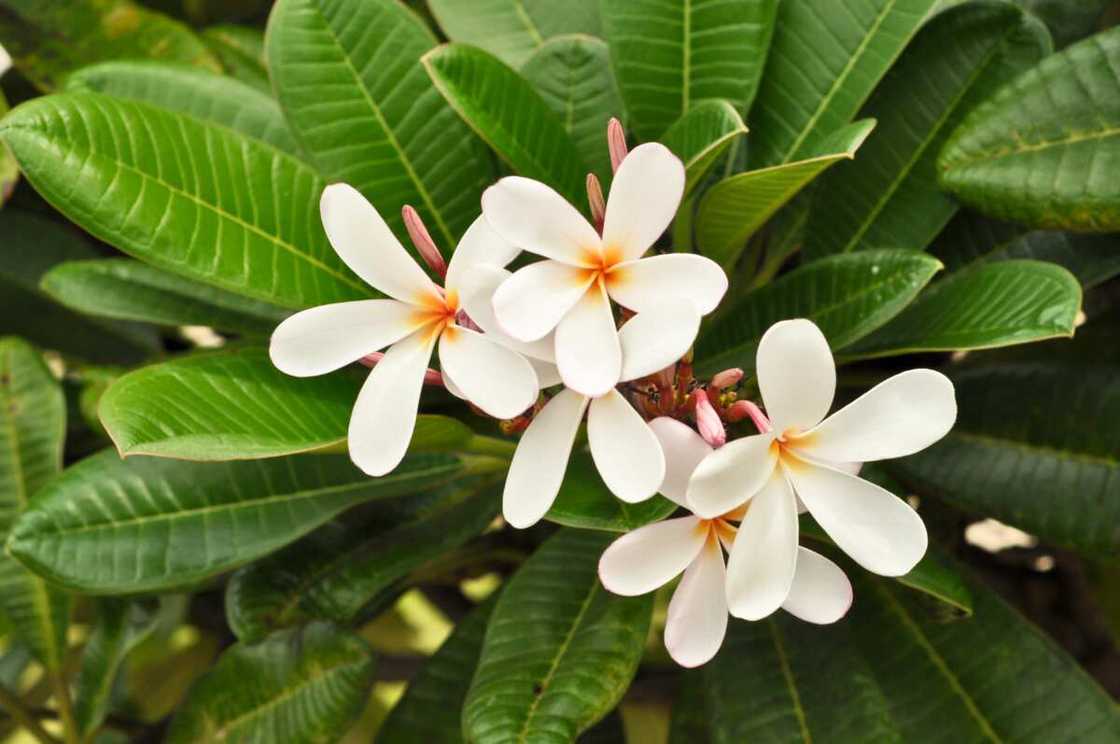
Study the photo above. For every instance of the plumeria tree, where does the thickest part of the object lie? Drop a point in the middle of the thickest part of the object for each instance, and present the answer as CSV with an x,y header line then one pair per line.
x,y
606,370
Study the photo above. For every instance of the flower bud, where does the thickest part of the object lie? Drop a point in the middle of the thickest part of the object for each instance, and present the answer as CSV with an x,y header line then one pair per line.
x,y
596,201
425,246
708,422
744,409
727,378
616,142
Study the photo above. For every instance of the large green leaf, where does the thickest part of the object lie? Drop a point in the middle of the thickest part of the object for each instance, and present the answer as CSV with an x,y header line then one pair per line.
x,y
702,136
32,429
513,30
847,296
889,196
1043,150
573,75
347,74
1093,259
825,59
305,685
669,56
733,209
112,526
510,115
48,40
338,571
1070,22
990,305
194,198
559,651
126,289
1023,452
241,51
585,501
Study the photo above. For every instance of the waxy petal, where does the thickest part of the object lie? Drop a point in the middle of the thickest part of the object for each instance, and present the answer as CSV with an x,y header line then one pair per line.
x,y
683,449
626,451
644,284
697,617
533,301
325,338
493,377
481,245
796,375
651,556
645,194
731,475
476,294
821,593
588,351
764,555
535,218
656,338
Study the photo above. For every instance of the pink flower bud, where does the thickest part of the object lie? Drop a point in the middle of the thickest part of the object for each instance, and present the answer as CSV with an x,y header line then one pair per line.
x,y
616,142
708,422
425,246
596,201
727,378
743,409
431,376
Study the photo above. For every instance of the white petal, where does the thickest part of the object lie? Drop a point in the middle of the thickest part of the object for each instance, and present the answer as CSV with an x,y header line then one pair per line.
x,y
655,338
796,375
480,245
538,465
898,417
626,452
651,556
535,218
496,379
547,373
821,593
534,299
476,294
644,284
683,449
385,413
367,245
588,351
763,557
5,61
697,618
876,528
732,474
645,194
325,338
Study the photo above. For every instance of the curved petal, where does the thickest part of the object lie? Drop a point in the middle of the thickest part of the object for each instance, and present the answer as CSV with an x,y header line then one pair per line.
x,y
900,416
535,218
538,465
821,593
656,338
625,450
651,556
385,413
325,338
645,194
731,475
481,245
644,284
588,352
476,294
532,301
683,449
796,375
764,554
697,618
876,528
547,373
367,245
493,377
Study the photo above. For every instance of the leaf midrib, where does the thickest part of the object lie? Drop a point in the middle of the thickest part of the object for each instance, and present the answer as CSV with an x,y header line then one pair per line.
x,y
1034,449
994,155
791,683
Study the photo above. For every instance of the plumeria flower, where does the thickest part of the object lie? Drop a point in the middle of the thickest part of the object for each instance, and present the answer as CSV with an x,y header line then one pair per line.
x,y
803,455
570,292
652,556
313,342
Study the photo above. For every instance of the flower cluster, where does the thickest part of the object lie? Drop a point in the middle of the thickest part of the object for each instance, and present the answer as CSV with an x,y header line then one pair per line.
x,y
607,332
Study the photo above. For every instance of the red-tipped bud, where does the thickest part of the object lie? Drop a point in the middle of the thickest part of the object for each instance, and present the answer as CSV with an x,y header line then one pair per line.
x,y
727,378
596,201
708,422
425,246
431,376
744,409
616,142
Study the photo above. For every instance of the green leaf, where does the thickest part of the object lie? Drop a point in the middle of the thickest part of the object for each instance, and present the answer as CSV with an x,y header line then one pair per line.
x,y
112,526
1042,150
822,67
305,685
32,432
48,41
197,93
193,198
1093,259
9,168
669,56
513,30
241,51
1071,22
129,290
848,296
337,572
573,75
585,501
512,117
559,651
1021,452
991,305
733,209
889,196
702,136
347,74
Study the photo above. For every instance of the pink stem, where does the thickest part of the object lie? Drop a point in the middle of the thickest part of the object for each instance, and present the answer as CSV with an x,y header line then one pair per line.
x,y
431,376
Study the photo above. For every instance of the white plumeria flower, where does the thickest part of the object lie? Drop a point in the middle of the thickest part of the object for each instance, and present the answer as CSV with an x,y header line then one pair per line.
x,y
624,448
484,371
652,556
570,292
808,457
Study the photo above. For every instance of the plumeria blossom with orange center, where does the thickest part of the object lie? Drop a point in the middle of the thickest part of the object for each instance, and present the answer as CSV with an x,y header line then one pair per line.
x,y
652,556
417,315
802,455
